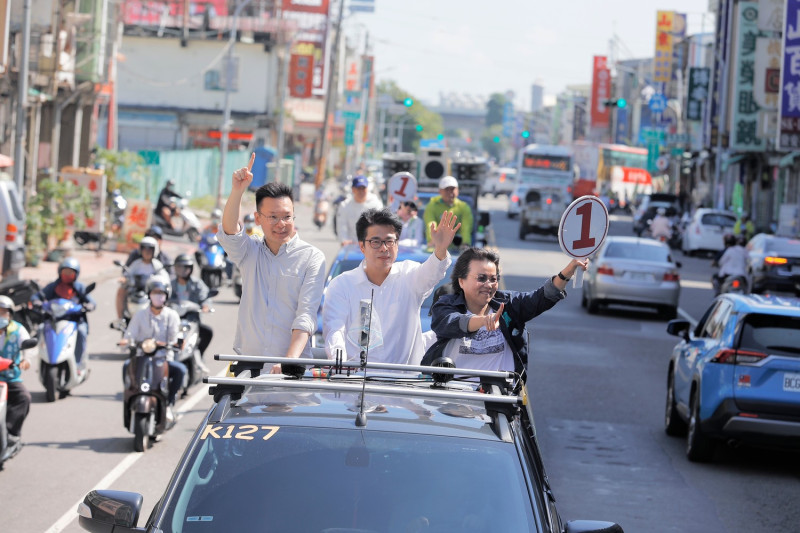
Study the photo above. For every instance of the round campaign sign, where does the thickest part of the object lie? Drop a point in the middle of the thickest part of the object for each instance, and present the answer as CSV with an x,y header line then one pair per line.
x,y
583,227
402,188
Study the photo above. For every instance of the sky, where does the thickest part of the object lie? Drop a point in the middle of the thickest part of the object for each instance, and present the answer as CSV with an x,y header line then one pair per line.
x,y
493,46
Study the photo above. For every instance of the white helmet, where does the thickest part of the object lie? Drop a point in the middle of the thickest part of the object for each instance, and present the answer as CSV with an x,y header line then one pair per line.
x,y
149,242
661,211
6,303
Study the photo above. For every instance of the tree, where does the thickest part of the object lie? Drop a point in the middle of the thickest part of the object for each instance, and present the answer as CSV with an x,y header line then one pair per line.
x,y
494,109
415,116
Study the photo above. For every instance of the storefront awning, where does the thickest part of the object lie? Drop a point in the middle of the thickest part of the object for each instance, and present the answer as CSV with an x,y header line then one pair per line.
x,y
788,159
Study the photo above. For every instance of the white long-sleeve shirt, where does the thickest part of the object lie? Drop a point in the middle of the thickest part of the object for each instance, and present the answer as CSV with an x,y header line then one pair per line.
x,y
395,332
280,292
413,232
733,262
348,213
162,327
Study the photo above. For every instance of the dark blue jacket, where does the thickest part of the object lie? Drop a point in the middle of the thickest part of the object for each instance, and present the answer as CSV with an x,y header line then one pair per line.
x,y
49,293
449,320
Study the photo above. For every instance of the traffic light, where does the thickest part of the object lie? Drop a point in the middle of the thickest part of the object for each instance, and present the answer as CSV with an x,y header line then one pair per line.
x,y
419,127
408,102
526,134
616,102
496,139
440,136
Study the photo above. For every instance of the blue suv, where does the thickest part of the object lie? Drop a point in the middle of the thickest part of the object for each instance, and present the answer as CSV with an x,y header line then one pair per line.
x,y
737,375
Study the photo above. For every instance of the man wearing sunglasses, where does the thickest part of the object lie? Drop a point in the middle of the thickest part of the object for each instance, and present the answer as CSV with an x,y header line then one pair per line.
x,y
393,291
282,276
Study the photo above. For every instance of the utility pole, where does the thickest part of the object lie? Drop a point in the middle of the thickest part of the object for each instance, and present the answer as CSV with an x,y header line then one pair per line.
x,y
284,47
226,116
324,146
22,98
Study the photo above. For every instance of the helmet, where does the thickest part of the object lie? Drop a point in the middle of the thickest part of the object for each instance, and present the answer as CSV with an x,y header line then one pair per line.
x,y
216,213
149,242
184,260
170,183
6,303
158,285
661,211
155,232
71,263
249,218
730,240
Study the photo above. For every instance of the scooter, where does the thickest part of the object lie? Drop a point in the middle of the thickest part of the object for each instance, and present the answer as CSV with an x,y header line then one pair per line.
x,y
58,369
6,451
211,258
116,212
146,382
188,225
189,340
730,285
136,298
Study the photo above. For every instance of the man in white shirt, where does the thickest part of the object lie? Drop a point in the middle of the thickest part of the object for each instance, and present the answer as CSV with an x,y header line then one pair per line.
x,y
413,233
282,276
395,290
732,262
147,265
661,226
348,213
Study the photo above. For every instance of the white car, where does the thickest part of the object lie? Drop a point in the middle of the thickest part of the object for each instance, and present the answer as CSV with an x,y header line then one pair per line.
x,y
501,180
516,200
706,229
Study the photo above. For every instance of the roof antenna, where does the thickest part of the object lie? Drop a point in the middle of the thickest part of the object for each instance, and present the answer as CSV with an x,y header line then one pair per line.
x,y
366,323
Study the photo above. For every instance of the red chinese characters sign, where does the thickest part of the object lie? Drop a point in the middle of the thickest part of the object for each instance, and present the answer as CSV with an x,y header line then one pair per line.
x,y
301,71
95,182
306,6
137,220
601,90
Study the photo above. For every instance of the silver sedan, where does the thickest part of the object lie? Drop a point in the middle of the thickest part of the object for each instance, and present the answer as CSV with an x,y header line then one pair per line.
x,y
633,271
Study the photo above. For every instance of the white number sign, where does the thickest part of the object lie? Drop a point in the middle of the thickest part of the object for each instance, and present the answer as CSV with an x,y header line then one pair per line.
x,y
402,188
583,228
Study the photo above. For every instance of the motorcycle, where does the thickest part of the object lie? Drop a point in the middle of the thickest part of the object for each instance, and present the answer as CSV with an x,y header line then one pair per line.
x,y
188,226
116,213
58,369
321,209
730,285
211,258
7,451
136,297
189,340
146,383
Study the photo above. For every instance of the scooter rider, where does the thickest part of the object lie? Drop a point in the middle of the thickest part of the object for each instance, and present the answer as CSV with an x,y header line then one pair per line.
x,y
12,333
166,207
68,287
162,324
250,227
184,287
145,265
731,262
661,226
157,233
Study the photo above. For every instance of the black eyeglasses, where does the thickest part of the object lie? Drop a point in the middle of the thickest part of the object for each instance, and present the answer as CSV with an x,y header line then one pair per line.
x,y
483,278
377,243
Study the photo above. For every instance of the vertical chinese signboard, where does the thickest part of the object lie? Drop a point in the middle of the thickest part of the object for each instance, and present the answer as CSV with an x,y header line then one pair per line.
x,y
301,73
95,182
789,137
601,90
662,65
311,17
744,108
137,220
699,79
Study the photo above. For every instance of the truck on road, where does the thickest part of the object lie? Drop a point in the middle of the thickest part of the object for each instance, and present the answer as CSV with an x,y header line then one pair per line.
x,y
547,173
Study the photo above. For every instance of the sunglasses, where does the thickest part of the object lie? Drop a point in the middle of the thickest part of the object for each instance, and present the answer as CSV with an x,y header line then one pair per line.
x,y
483,278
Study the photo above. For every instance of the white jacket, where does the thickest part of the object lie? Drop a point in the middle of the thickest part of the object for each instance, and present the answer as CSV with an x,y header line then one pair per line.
x,y
348,213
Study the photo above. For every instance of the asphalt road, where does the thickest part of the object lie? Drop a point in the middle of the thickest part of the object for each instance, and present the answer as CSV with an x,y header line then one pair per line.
x,y
598,386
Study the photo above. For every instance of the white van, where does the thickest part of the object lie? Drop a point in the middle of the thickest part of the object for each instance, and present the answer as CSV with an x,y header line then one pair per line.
x,y
501,180
12,231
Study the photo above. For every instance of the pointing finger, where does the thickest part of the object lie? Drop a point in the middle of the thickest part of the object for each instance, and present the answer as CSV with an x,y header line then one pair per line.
x,y
252,160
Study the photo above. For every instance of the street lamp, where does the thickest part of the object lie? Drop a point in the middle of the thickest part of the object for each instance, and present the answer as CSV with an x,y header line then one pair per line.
x,y
226,116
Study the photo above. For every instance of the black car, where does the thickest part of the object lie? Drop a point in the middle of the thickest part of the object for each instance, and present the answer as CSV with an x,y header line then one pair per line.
x,y
332,450
773,263
649,207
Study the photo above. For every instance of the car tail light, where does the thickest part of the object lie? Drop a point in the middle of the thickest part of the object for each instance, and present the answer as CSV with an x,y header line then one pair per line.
x,y
549,201
736,284
775,260
11,232
604,269
730,356
672,276
514,198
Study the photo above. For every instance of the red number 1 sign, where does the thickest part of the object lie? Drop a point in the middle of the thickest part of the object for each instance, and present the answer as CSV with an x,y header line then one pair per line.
x,y
583,227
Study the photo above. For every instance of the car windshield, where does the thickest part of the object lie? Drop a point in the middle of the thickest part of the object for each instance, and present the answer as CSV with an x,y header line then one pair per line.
x,y
343,266
771,334
305,479
718,219
784,246
641,252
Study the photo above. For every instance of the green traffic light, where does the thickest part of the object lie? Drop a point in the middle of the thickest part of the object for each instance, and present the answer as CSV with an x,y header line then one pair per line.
x,y
526,134
419,127
496,139
440,136
408,102
621,103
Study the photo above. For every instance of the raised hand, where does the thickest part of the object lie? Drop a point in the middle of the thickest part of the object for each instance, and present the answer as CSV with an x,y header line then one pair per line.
x,y
493,319
243,176
442,234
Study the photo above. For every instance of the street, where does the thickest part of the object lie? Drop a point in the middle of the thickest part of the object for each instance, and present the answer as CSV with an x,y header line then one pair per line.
x,y
597,384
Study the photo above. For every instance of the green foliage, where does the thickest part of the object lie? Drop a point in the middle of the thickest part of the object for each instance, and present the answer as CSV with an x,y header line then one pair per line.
x,y
419,121
494,109
124,170
47,214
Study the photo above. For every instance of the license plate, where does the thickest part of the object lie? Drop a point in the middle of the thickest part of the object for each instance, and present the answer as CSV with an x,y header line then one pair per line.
x,y
796,269
639,276
791,382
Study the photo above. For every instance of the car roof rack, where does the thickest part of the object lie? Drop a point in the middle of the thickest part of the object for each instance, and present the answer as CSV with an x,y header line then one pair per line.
x,y
498,390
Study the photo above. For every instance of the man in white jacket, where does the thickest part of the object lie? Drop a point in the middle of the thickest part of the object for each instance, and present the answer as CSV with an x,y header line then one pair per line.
x,y
348,213
394,290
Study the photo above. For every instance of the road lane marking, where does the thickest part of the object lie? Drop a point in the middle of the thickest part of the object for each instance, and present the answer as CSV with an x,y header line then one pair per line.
x,y
693,284
128,461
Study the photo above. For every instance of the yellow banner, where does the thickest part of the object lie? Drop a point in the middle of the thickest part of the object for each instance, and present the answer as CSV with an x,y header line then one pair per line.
x,y
662,64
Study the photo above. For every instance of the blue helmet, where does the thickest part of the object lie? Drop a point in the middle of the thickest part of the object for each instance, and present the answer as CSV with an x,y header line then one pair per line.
x,y
154,231
71,263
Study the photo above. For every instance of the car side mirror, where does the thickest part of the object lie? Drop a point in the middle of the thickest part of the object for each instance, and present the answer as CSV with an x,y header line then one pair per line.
x,y
484,218
107,510
679,328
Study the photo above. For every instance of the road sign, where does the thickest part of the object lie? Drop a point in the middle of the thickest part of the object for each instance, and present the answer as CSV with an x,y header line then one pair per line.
x,y
402,188
658,103
583,228
662,163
